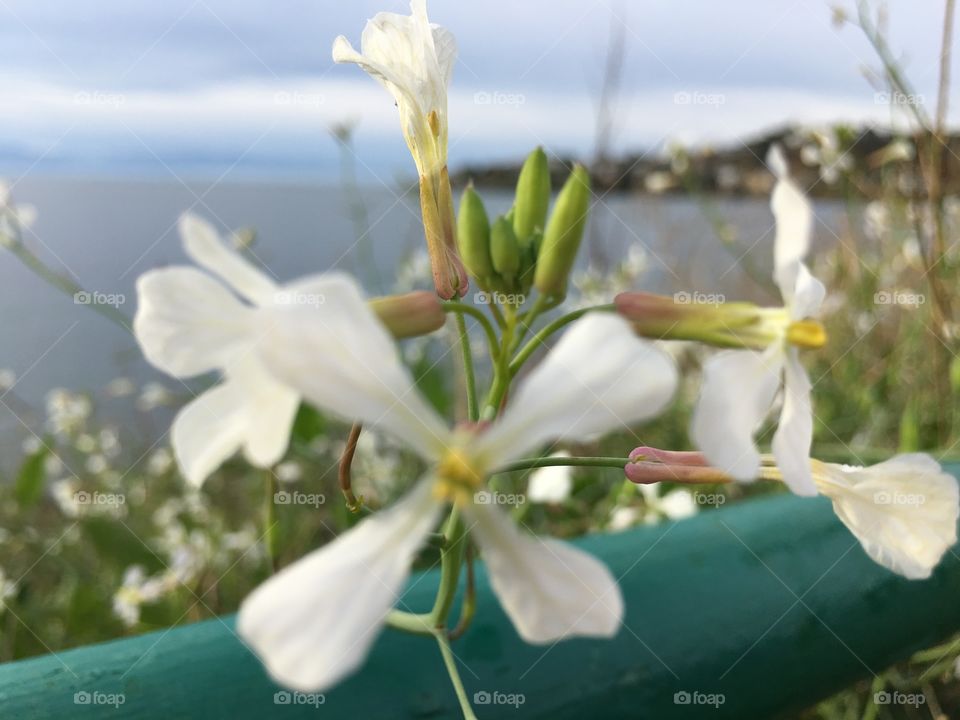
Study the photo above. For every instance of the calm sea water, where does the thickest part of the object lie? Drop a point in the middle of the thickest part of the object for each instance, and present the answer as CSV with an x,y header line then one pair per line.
x,y
105,233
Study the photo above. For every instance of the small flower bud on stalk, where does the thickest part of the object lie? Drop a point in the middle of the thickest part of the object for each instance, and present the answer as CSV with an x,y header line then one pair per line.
x,y
533,196
410,315
730,325
505,250
561,238
473,237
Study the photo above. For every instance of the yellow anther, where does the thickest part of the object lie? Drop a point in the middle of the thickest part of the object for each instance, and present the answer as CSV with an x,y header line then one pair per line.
x,y
807,334
458,477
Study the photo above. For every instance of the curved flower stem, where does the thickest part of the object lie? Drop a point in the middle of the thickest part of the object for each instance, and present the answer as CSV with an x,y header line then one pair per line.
x,y
413,623
451,663
451,558
453,306
548,330
354,504
469,607
63,283
541,305
531,463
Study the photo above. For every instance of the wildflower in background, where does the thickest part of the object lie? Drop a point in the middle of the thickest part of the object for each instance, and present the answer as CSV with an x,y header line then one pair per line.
x,y
551,484
13,218
311,623
413,59
904,511
739,386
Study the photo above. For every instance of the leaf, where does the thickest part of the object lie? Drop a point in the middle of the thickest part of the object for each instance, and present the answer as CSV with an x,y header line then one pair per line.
x,y
31,478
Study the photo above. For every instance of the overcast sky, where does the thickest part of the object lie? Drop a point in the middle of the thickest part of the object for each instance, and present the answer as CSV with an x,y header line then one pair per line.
x,y
247,87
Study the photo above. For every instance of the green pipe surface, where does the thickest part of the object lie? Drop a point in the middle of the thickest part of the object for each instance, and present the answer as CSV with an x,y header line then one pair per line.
x,y
770,603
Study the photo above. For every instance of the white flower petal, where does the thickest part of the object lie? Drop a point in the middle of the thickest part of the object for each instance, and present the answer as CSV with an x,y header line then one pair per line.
x,y
791,442
737,392
550,589
206,248
270,408
187,323
903,511
551,484
313,623
794,218
208,430
599,377
340,357
808,294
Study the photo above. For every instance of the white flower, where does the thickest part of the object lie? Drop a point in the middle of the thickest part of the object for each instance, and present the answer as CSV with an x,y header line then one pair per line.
x,y
739,386
551,484
189,323
314,622
413,59
14,218
903,511
677,504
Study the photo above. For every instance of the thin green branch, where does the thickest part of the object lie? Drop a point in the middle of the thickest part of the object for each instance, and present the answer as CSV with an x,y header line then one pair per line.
x,y
541,337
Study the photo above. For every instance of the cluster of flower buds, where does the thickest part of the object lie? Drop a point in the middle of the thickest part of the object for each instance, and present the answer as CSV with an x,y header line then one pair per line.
x,y
528,246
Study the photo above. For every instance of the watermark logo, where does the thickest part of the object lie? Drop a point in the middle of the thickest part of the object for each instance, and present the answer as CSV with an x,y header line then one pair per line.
x,y
100,98
699,98
885,497
287,497
285,697
82,497
699,298
95,697
714,499
485,697
85,297
899,98
490,497
499,298
298,98
684,697
499,98
289,298
896,697
897,297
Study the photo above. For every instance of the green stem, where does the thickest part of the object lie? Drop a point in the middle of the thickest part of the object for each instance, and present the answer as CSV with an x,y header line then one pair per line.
x,y
531,463
470,378
451,664
540,338
501,371
413,623
270,521
64,284
452,306
451,558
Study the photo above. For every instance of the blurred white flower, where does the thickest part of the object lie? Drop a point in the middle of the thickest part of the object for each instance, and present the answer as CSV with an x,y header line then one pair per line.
x,y
120,387
677,504
159,462
288,472
189,323
903,511
312,623
135,590
67,411
551,484
623,518
8,378
8,588
153,395
14,218
740,386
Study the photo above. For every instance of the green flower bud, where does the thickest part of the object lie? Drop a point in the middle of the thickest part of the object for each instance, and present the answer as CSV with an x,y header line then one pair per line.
x,y
504,248
533,196
473,235
561,238
528,262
